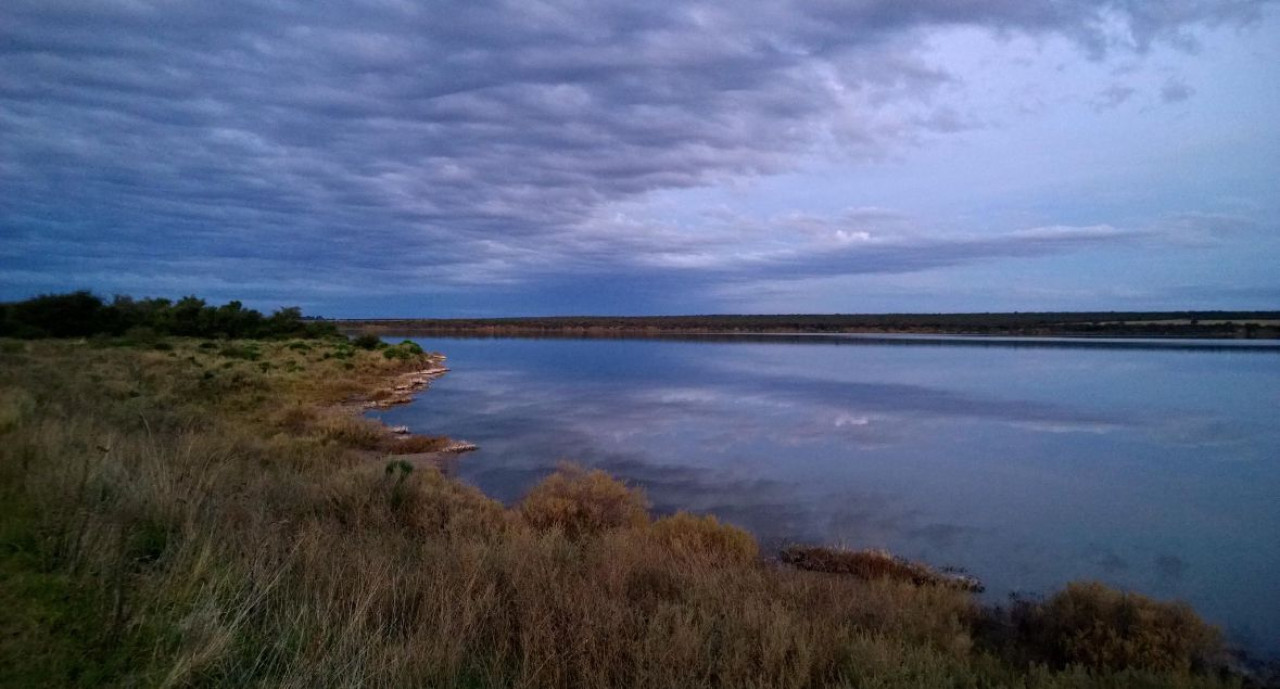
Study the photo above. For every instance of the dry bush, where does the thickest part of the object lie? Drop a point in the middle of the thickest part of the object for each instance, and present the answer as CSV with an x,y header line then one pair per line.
x,y
871,565
431,502
688,535
352,431
1091,624
414,444
421,500
583,502
296,418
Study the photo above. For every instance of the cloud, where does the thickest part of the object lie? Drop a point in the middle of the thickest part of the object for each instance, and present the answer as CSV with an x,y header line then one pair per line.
x,y
1113,97
1175,91
1204,229
460,143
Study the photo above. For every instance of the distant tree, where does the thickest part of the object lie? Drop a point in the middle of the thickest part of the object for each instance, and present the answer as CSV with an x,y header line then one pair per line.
x,y
80,314
58,315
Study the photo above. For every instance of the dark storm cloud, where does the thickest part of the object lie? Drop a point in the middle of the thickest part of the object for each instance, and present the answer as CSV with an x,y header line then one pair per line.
x,y
302,149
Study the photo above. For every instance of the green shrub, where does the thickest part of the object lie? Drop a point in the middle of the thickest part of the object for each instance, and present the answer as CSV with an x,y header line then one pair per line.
x,y
368,341
688,535
396,353
581,502
1096,626
404,351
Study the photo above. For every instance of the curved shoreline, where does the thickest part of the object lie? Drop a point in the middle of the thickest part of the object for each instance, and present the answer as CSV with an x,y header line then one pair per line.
x,y
959,578
398,390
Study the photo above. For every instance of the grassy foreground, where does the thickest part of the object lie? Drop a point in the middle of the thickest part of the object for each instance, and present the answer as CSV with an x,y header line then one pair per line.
x,y
207,513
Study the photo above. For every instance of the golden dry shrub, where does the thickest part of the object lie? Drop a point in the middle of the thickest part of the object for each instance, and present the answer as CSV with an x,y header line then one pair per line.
x,y
1091,624
691,536
420,500
581,502
352,431
296,418
433,503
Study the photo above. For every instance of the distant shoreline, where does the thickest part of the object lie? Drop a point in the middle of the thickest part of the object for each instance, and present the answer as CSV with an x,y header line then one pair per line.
x,y
1234,325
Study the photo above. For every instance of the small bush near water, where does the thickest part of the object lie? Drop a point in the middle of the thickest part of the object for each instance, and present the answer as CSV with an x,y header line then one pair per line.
x,y
1098,627
406,350
367,341
584,502
171,521
689,535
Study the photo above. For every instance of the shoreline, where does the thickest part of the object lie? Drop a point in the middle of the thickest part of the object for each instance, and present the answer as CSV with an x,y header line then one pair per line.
x,y
1170,343
397,390
380,328
225,500
1190,325
815,557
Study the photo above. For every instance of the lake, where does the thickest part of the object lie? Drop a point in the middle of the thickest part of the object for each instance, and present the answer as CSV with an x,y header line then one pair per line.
x,y
1150,466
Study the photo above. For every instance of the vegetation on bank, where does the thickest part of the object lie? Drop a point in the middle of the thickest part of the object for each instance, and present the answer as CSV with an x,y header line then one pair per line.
x,y
1188,324
210,513
83,314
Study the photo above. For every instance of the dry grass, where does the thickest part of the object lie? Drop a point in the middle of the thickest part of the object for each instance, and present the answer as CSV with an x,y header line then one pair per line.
x,y
169,520
414,444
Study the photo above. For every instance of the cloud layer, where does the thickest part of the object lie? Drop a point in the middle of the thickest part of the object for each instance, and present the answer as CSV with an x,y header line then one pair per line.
x,y
306,152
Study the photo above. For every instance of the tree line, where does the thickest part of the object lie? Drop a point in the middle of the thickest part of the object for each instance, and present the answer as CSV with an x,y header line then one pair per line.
x,y
84,314
1225,324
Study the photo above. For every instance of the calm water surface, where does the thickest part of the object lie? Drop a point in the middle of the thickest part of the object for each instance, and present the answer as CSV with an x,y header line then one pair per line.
x,y
1152,469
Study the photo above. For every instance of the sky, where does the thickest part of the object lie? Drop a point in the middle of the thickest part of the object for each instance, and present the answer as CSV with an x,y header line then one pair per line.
x,y
387,158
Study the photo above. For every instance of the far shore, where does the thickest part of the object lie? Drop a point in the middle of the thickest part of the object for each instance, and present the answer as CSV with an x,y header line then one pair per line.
x,y
1199,325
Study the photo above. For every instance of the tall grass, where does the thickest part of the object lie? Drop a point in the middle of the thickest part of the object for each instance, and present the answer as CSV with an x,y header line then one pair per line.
x,y
189,518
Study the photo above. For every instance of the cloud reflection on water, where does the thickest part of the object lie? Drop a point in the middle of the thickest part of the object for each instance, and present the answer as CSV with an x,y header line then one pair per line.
x,y
1029,467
